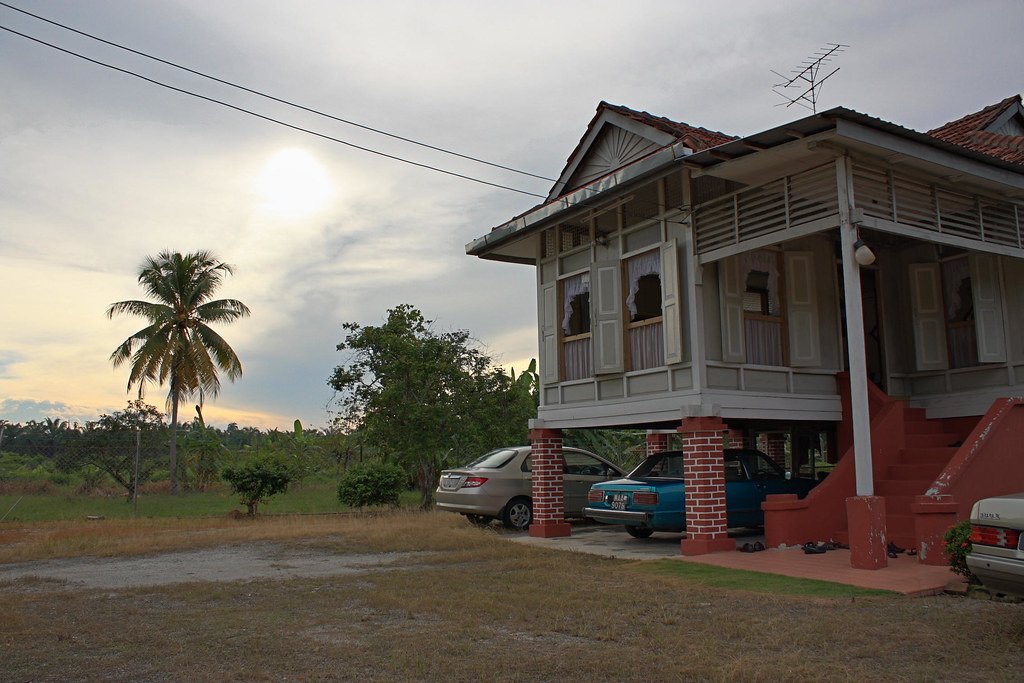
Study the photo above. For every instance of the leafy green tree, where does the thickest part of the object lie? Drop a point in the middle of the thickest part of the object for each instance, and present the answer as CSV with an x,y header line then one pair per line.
x,y
427,398
178,347
263,475
109,444
373,483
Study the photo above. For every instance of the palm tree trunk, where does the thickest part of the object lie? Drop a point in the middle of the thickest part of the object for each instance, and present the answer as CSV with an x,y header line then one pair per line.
x,y
174,444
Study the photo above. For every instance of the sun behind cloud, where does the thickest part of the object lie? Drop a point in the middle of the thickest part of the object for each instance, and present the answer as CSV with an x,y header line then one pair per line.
x,y
293,184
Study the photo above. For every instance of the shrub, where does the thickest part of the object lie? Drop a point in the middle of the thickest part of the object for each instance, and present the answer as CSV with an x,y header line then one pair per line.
x,y
377,483
958,547
259,478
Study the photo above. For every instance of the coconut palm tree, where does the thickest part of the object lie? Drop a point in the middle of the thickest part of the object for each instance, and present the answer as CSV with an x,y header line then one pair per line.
x,y
178,347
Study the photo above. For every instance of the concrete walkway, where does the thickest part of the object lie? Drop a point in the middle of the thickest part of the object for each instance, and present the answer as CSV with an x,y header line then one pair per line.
x,y
903,575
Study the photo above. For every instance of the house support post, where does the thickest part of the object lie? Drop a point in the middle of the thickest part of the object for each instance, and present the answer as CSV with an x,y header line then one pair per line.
x,y
548,484
704,481
656,442
736,438
933,516
775,448
865,517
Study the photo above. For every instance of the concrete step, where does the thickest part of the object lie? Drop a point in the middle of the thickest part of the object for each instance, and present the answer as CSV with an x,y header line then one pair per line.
x,y
901,487
898,505
899,529
924,427
940,440
926,471
914,414
920,456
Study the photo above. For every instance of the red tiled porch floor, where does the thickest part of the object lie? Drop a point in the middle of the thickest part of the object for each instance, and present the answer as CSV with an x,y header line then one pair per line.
x,y
903,575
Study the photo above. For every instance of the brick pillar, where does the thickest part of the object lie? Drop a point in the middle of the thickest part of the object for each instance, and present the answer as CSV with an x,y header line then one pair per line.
x,y
865,517
775,448
656,443
736,438
704,479
548,484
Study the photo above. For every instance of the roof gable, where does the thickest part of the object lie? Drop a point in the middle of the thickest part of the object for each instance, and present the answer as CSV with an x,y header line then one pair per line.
x,y
618,136
996,130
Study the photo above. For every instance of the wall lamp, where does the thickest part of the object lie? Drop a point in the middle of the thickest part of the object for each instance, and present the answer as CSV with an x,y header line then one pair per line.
x,y
862,253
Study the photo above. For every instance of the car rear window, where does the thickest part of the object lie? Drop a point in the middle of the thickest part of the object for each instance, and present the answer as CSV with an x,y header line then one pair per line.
x,y
494,460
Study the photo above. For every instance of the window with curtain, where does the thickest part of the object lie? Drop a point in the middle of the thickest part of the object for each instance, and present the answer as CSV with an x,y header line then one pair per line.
x,y
644,326
958,300
763,318
575,328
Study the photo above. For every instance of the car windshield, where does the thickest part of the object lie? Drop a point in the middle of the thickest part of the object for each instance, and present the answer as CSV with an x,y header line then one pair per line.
x,y
493,460
670,466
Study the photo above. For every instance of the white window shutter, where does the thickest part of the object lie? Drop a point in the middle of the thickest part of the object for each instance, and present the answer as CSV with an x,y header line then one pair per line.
x,y
730,288
802,310
929,318
671,303
988,308
606,317
548,306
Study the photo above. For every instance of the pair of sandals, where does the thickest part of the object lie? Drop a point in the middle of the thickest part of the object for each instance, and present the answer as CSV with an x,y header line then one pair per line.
x,y
892,551
812,548
755,548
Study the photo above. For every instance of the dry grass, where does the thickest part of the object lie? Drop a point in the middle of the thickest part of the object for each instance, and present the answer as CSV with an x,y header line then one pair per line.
x,y
403,530
484,609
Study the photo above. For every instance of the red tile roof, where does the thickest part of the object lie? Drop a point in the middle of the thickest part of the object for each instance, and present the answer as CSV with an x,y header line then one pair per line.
x,y
701,137
969,131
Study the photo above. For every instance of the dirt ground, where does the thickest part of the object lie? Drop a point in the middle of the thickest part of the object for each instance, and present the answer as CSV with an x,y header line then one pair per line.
x,y
264,560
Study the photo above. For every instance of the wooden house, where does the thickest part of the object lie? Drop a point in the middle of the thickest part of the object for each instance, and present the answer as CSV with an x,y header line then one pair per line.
x,y
846,292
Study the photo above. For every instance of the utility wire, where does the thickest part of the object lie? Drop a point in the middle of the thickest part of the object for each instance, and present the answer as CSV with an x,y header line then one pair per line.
x,y
275,99
270,118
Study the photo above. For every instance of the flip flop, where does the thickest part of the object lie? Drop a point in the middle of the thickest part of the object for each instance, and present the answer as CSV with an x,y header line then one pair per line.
x,y
758,547
812,549
746,548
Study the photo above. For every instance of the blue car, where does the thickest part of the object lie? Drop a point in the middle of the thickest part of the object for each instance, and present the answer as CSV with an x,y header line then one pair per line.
x,y
651,497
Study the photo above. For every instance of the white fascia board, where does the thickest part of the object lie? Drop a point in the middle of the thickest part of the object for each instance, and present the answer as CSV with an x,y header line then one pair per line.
x,y
579,198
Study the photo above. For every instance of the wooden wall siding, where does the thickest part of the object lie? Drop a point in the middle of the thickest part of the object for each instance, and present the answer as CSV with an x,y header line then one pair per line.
x,y
765,209
889,195
647,346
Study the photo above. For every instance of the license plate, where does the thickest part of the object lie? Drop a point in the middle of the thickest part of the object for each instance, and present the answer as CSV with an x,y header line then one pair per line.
x,y
619,501
450,483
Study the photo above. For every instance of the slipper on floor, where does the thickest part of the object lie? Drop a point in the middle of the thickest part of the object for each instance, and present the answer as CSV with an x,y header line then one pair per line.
x,y
812,549
746,548
758,547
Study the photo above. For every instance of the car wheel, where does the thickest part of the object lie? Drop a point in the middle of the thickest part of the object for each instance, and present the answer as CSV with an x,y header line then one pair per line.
x,y
639,531
478,520
517,514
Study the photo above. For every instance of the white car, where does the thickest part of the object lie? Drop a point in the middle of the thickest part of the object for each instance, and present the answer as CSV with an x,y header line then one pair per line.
x,y
997,544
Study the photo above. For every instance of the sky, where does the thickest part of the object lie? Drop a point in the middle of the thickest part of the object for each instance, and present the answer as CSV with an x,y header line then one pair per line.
x,y
99,169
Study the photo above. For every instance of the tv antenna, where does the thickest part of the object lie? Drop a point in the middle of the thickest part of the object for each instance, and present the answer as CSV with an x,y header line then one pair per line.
x,y
805,78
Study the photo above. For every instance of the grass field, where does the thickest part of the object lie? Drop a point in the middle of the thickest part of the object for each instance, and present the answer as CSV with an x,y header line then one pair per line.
x,y
477,607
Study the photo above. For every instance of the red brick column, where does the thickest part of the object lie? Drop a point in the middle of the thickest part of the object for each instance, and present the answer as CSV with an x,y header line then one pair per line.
x,y
736,438
548,484
865,516
775,448
704,477
656,443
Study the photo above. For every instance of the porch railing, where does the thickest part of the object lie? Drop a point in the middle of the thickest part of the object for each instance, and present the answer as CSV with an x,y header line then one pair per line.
x,y
784,203
897,197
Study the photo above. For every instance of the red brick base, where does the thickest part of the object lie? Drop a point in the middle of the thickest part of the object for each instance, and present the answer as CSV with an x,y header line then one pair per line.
x,y
704,476
866,518
548,475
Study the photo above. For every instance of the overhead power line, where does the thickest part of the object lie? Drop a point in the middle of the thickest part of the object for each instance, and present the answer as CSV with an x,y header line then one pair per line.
x,y
270,118
272,97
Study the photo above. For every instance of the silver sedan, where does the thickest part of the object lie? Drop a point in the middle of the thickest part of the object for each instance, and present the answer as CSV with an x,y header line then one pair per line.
x,y
497,485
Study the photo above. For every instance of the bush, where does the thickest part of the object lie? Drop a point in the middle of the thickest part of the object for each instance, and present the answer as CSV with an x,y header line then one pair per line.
x,y
958,547
377,483
259,478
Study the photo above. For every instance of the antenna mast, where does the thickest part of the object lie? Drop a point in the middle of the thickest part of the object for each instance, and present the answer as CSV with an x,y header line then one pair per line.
x,y
805,78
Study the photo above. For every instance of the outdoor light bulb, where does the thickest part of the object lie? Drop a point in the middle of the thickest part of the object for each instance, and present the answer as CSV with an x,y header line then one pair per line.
x,y
862,253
